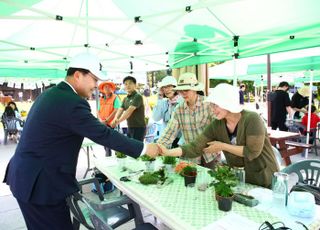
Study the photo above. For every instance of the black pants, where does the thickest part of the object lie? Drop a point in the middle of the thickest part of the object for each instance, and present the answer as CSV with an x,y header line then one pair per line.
x,y
53,217
108,151
137,133
281,124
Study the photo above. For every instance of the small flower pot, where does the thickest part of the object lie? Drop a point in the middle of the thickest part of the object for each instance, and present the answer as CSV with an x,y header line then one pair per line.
x,y
169,168
121,163
149,166
224,203
188,180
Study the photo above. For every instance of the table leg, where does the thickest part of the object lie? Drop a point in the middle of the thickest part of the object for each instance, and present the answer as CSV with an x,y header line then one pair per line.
x,y
87,151
284,152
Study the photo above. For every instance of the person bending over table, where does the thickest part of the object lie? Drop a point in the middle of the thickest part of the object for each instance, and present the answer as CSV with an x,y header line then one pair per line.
x,y
239,133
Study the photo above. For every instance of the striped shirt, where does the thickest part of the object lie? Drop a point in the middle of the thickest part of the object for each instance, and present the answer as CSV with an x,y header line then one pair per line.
x,y
190,123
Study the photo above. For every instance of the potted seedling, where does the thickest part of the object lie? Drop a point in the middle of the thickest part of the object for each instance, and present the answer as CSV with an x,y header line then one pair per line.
x,y
121,158
149,161
189,173
169,163
225,180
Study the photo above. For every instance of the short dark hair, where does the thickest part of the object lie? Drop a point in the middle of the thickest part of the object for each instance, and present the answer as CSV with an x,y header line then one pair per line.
x,y
313,108
71,71
130,78
283,84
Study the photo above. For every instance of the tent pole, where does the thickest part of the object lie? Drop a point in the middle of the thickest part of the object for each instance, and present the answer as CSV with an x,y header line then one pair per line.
x,y
235,77
268,89
309,112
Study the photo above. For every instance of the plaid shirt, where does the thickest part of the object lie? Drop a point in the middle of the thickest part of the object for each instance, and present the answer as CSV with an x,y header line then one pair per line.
x,y
190,123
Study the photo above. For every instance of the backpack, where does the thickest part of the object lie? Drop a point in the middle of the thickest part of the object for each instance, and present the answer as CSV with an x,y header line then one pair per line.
x,y
106,185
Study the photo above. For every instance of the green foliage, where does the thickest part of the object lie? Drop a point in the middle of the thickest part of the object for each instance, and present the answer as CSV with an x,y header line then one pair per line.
x,y
148,178
153,177
120,155
189,170
169,160
146,158
225,179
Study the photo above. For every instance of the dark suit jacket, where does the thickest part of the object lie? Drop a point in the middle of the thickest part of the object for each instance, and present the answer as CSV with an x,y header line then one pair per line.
x,y
43,168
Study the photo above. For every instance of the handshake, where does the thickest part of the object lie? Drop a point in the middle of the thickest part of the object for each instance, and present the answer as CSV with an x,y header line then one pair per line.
x,y
153,150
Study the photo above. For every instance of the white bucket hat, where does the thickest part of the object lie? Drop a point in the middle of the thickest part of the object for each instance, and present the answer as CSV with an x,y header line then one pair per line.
x,y
168,80
89,62
188,81
227,97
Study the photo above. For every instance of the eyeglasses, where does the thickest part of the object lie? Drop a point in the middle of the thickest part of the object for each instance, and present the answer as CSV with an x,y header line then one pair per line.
x,y
91,75
274,226
277,226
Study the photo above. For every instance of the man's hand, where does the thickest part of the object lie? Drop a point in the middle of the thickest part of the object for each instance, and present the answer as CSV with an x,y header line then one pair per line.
x,y
152,150
176,152
163,150
114,123
214,147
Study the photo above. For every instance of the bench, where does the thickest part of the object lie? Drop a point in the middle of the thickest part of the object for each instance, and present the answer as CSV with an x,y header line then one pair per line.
x,y
296,147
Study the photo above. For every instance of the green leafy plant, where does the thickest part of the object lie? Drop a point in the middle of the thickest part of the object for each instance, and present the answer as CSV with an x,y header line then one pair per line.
x,y
120,155
189,170
146,158
225,179
169,160
153,177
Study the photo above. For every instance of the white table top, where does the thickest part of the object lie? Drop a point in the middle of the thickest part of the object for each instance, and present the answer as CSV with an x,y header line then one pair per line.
x,y
184,208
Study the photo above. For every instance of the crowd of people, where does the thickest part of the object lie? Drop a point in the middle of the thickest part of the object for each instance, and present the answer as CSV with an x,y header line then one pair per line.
x,y
296,108
41,173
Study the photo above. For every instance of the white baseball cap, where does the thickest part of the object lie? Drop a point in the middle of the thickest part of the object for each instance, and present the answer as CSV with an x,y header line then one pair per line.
x,y
227,97
89,62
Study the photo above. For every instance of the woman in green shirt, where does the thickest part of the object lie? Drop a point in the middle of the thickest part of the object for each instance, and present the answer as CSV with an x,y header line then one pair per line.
x,y
240,134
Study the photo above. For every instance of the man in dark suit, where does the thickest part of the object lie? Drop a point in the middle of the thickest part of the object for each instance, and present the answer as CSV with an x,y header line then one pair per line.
x,y
41,174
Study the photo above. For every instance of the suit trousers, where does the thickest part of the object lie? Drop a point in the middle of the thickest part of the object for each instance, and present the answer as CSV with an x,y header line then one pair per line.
x,y
54,217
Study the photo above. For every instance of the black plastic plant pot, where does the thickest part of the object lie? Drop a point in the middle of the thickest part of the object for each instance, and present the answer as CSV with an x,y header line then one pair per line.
x,y
225,203
188,180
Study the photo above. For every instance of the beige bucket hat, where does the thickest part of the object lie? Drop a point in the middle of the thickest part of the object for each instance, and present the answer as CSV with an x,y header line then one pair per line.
x,y
188,81
304,91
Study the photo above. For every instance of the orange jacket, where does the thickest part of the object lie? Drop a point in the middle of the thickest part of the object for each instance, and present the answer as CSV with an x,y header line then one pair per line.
x,y
106,108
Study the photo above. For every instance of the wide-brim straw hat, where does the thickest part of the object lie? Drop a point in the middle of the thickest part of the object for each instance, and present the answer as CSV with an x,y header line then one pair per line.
x,y
109,83
227,97
188,81
304,91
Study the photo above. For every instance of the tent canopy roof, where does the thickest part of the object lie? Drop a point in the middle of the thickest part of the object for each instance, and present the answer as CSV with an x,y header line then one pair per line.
x,y
142,35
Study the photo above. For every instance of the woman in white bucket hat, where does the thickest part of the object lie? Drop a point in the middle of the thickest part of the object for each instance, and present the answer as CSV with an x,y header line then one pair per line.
x,y
189,117
168,99
240,134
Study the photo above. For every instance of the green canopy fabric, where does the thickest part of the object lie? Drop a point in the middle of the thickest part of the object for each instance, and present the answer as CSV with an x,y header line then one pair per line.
x,y
33,73
133,37
298,64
